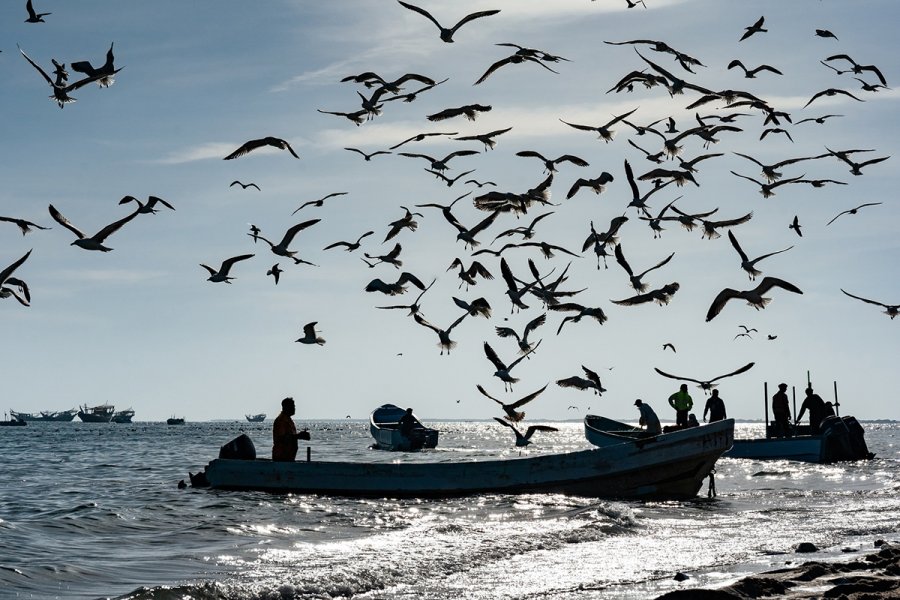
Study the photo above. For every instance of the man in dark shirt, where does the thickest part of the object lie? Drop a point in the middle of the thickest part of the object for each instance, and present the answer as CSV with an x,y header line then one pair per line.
x,y
284,433
816,406
715,406
781,409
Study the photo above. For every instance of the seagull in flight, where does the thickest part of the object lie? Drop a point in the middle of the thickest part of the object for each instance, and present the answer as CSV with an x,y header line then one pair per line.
x,y
747,264
755,28
222,273
420,137
34,17
524,345
795,225
513,415
851,211
396,288
281,248
260,143
94,242
23,224
390,258
447,33
444,341
318,203
104,75
244,185
524,440
148,208
706,386
485,138
275,272
349,246
503,371
892,310
591,380
413,308
310,336
635,280
753,297
60,88
6,279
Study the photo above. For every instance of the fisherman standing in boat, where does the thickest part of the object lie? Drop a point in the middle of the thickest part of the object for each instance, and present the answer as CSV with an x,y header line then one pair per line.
x,y
781,408
682,402
648,418
284,433
816,406
715,406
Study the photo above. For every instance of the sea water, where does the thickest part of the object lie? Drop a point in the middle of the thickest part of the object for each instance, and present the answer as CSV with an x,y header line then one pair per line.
x,y
94,511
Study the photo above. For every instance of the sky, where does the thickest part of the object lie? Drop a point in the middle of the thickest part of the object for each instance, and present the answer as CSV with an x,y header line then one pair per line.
x,y
141,326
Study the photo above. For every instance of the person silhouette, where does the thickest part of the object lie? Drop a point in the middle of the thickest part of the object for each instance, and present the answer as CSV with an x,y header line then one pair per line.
x,y
781,409
715,406
816,406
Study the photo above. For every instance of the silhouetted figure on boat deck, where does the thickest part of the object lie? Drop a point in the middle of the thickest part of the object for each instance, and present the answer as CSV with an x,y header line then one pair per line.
x,y
781,409
407,423
284,433
715,406
692,421
682,402
828,410
816,406
648,418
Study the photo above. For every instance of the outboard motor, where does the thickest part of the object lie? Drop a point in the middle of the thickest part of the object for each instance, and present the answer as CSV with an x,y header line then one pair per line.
x,y
836,444
240,448
857,439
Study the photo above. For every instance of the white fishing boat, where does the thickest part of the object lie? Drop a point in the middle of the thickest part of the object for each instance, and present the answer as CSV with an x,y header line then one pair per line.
x,y
665,469
256,418
384,425
838,439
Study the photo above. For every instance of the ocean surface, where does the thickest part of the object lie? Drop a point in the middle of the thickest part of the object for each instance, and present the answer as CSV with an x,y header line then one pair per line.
x,y
94,511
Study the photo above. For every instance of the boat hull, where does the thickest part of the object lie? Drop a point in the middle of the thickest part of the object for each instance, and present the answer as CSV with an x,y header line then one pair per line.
x,y
384,425
801,448
645,471
51,417
841,439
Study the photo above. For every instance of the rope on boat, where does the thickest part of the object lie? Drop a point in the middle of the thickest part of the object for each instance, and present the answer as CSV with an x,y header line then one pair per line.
x,y
711,492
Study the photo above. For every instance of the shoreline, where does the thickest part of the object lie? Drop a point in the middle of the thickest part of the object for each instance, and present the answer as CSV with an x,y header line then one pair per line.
x,y
875,575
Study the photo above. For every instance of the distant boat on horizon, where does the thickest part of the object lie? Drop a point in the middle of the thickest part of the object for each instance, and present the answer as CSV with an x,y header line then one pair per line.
x,y
173,420
122,416
96,414
259,418
45,415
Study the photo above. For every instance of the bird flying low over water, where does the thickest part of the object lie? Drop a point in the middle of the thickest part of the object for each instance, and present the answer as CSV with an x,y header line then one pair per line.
x,y
6,280
94,242
591,381
23,224
524,440
244,185
707,385
891,310
447,33
851,211
503,371
222,273
512,414
260,143
310,336
753,297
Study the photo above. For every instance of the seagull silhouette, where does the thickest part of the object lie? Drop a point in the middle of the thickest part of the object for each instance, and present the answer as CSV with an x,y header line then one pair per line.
x,y
275,272
524,345
413,308
260,143
310,336
320,202
6,279
444,341
747,264
104,75
635,280
503,371
892,310
23,224
349,246
447,33
852,211
244,185
753,297
281,248
94,242
222,273
396,288
147,208
707,385
513,415
34,17
795,225
755,28
524,440
591,381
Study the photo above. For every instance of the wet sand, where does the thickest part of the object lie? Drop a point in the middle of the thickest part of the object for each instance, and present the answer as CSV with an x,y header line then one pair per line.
x,y
874,576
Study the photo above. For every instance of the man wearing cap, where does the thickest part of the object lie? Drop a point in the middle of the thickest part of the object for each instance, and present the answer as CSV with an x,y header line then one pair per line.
x,y
682,402
648,418
781,409
284,433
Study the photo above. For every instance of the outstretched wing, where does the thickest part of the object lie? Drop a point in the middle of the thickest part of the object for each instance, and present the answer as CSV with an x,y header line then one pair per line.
x,y
526,399
59,218
737,372
737,246
842,289
664,374
481,389
492,356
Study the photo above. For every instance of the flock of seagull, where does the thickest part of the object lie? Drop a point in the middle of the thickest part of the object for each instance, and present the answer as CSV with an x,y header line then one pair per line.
x,y
665,139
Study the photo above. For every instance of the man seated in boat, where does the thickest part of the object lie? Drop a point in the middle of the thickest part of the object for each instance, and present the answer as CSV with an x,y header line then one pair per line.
x,y
284,433
816,406
410,427
648,418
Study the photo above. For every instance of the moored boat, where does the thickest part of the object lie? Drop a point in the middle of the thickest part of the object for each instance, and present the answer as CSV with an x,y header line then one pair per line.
x,y
175,420
837,439
12,422
663,470
384,425
122,416
45,415
256,418
96,414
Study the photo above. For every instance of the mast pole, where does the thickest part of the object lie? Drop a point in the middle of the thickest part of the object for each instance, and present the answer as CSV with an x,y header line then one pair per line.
x,y
766,405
